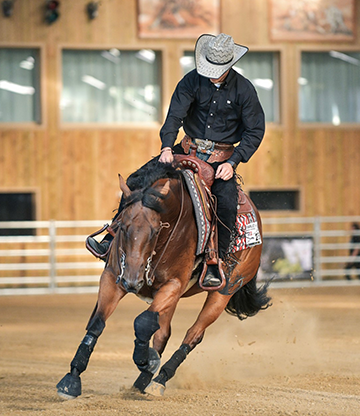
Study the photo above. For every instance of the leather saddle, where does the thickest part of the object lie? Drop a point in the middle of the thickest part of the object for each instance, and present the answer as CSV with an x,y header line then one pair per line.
x,y
206,174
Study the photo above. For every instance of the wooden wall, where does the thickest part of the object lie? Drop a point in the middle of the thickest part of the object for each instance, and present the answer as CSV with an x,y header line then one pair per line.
x,y
74,169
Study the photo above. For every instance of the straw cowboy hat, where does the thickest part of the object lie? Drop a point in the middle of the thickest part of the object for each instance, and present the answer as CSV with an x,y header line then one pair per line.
x,y
214,55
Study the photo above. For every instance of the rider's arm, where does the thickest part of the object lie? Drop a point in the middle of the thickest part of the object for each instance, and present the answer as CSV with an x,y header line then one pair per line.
x,y
180,103
253,120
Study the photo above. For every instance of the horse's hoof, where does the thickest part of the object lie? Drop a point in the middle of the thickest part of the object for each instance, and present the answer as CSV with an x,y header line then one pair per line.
x,y
154,361
155,389
69,387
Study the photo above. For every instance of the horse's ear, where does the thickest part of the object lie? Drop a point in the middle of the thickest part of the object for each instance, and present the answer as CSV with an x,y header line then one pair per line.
x,y
125,189
166,188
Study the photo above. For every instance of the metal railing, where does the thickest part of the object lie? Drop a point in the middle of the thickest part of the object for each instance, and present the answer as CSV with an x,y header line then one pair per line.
x,y
52,257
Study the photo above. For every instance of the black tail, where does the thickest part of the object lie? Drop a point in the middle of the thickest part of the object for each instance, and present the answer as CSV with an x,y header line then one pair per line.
x,y
249,300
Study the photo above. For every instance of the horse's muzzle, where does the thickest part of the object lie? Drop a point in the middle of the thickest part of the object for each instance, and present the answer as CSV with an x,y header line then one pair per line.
x,y
131,287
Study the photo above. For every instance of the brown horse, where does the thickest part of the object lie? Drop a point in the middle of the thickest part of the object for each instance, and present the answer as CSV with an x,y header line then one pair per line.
x,y
153,256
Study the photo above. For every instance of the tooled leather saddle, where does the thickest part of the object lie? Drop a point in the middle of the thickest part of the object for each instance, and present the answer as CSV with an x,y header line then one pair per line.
x,y
202,179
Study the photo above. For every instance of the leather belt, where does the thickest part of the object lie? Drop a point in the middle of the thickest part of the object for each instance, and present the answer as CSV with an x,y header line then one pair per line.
x,y
218,152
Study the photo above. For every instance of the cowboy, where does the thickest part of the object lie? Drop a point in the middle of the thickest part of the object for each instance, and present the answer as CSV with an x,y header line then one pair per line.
x,y
218,108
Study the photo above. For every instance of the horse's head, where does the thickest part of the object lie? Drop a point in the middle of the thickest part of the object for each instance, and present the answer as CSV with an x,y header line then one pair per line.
x,y
138,232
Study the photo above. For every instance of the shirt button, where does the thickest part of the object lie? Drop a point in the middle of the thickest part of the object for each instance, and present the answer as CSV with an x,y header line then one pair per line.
x,y
208,127
211,115
214,102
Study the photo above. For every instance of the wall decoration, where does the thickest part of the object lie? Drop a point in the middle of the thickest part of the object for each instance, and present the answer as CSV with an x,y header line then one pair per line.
x,y
178,18
312,20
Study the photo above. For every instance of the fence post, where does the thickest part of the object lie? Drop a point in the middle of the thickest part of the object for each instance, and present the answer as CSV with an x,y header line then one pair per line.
x,y
52,256
317,249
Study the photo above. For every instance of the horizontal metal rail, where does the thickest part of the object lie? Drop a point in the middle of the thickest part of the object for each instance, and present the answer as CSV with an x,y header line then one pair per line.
x,y
53,259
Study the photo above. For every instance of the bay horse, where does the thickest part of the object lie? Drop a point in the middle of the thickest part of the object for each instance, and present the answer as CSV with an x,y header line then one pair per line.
x,y
153,255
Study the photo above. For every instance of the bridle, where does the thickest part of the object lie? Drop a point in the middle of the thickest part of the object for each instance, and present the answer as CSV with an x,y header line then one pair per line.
x,y
150,271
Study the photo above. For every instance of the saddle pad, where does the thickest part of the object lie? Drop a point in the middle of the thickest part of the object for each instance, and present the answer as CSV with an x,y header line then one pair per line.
x,y
248,234
202,222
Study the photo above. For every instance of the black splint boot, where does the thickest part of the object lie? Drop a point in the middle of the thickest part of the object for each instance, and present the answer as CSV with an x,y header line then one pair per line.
x,y
212,277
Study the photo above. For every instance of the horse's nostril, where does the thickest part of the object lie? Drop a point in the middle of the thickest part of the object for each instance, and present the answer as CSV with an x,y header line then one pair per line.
x,y
139,285
124,283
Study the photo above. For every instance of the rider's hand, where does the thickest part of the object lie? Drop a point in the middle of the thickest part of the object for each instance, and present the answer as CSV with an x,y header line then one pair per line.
x,y
166,155
224,171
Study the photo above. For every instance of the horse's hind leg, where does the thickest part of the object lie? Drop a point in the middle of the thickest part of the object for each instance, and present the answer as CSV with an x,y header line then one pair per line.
x,y
69,387
213,307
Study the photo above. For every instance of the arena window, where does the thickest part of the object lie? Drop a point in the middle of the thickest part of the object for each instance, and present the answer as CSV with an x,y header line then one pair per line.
x,y
110,86
16,206
330,87
262,69
276,200
19,85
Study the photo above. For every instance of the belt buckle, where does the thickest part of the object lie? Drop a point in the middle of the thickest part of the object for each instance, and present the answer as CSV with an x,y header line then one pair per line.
x,y
204,145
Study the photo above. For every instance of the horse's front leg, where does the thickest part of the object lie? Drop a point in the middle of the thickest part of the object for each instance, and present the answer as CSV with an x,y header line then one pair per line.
x,y
69,387
155,321
213,307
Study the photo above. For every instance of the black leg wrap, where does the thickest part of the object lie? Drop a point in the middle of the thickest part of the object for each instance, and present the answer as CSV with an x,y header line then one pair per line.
x,y
145,325
142,381
169,368
141,354
82,356
96,326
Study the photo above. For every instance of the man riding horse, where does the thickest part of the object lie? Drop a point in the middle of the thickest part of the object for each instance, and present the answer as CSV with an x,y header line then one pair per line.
x,y
222,117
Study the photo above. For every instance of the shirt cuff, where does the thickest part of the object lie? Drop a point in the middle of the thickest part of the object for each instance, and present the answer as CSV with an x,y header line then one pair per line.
x,y
232,163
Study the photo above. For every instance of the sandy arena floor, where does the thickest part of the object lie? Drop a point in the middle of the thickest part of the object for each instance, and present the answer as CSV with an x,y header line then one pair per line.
x,y
300,357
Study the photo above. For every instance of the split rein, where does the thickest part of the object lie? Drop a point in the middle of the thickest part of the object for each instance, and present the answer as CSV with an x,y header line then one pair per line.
x,y
149,270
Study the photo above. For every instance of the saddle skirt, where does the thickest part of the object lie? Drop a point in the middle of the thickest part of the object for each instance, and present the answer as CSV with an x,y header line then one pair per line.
x,y
247,232
200,199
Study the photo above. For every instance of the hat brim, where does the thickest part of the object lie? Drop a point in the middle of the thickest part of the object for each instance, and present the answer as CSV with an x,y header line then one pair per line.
x,y
208,69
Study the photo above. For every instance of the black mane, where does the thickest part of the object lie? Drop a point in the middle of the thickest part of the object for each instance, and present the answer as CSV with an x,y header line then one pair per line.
x,y
140,183
151,172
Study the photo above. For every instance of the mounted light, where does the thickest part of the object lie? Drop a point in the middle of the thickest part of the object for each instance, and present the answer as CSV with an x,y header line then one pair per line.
x,y
92,10
52,11
7,7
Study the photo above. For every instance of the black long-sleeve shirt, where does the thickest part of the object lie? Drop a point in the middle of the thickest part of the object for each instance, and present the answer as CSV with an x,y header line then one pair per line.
x,y
229,114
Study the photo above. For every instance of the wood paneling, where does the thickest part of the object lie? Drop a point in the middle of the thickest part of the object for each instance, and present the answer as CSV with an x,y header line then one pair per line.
x,y
74,170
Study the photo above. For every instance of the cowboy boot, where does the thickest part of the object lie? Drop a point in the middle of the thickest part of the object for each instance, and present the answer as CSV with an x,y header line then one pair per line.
x,y
212,277
99,248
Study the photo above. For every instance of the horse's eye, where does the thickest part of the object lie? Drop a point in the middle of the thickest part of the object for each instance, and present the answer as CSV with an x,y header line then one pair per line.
x,y
124,230
152,233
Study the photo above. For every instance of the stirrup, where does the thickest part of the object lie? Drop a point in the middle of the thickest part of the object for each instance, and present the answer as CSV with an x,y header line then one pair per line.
x,y
92,251
221,273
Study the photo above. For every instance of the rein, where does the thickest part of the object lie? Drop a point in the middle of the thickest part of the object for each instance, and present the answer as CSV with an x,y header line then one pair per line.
x,y
150,273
